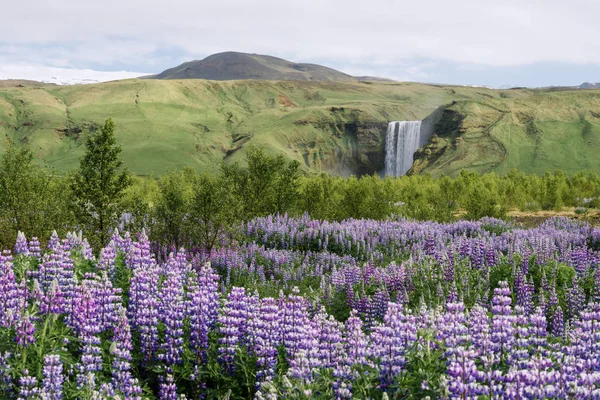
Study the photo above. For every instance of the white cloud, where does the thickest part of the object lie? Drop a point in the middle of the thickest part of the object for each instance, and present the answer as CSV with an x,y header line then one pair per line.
x,y
62,76
383,33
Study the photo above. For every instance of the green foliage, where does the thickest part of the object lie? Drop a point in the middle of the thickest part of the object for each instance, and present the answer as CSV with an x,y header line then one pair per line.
x,y
213,211
172,208
31,200
267,185
99,184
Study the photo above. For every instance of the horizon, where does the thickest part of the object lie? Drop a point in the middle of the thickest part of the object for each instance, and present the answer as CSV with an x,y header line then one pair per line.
x,y
463,43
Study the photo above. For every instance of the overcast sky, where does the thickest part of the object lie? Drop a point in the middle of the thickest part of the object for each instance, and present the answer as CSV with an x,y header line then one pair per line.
x,y
506,42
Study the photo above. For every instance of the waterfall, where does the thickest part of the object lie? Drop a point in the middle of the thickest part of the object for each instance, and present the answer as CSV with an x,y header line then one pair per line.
x,y
402,139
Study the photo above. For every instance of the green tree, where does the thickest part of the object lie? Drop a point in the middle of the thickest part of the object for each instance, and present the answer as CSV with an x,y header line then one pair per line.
x,y
31,200
214,210
100,183
269,184
172,208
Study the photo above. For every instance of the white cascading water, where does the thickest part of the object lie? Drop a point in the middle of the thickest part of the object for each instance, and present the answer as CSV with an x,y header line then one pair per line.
x,y
402,139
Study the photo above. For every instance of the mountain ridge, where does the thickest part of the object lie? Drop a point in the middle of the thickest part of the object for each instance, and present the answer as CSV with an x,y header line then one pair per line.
x,y
231,65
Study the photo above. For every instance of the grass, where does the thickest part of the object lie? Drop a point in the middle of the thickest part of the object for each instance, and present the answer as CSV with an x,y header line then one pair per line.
x,y
168,124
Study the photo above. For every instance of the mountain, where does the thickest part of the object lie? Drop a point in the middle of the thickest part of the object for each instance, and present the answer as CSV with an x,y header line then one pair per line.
x,y
590,85
236,66
333,127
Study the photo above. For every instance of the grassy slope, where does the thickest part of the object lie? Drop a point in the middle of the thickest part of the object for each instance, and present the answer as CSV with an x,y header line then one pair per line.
x,y
534,131
164,125
169,124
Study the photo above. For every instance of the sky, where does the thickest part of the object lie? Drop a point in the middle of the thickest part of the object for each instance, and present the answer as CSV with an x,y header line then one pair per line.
x,y
470,42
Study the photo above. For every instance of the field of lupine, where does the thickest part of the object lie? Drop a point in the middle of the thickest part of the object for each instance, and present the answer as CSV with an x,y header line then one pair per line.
x,y
305,309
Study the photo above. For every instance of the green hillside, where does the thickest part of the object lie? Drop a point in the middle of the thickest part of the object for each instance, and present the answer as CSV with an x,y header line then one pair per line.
x,y
336,127
534,131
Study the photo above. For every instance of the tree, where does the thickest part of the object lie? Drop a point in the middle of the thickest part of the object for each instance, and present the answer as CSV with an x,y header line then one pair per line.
x,y
172,209
100,183
268,185
31,200
214,210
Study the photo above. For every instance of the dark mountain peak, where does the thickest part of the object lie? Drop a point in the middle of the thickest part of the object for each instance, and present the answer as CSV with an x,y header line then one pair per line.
x,y
231,65
590,85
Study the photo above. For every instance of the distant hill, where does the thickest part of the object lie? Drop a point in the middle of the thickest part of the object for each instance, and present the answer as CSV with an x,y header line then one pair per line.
x,y
9,83
333,127
590,85
237,66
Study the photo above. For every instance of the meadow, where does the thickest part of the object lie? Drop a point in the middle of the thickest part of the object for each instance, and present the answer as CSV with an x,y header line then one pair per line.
x,y
307,309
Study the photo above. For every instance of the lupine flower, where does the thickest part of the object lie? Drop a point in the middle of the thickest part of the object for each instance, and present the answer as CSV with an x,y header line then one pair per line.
x,y
232,325
121,348
171,308
52,384
266,334
21,245
25,331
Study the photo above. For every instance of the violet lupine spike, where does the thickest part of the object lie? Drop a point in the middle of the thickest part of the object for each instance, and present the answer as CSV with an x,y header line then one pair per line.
x,y
575,299
453,327
86,324
21,246
34,248
266,333
108,300
503,330
329,339
558,323
53,301
294,322
25,331
355,341
168,390
171,311
28,389
143,308
53,242
10,304
462,375
52,384
122,378
390,340
232,324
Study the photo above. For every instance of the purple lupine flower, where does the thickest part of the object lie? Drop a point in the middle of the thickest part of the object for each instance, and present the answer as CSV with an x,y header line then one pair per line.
x,y
355,341
380,302
21,245
171,311
575,299
390,341
142,309
294,322
107,298
168,390
10,303
452,327
25,331
53,301
86,324
28,389
53,242
266,335
503,330
202,307
558,322
462,375
233,323
52,384
34,248
329,339
121,348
